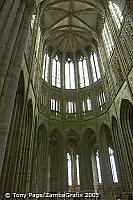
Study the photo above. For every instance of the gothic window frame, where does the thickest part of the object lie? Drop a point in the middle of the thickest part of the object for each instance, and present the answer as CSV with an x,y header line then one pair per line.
x,y
83,72
69,169
73,157
70,74
71,107
98,167
116,13
56,72
46,60
101,100
54,105
113,165
96,75
107,39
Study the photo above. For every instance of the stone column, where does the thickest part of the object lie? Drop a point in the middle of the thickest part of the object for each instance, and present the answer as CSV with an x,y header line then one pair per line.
x,y
54,169
88,184
62,168
106,174
42,169
74,170
95,173
82,169
122,176
8,37
20,29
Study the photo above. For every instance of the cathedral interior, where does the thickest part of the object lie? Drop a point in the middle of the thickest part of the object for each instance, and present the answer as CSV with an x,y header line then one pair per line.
x,y
66,97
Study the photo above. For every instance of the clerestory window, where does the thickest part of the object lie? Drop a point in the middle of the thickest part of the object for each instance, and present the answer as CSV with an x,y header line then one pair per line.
x,y
107,39
95,67
45,67
116,13
56,73
83,72
69,74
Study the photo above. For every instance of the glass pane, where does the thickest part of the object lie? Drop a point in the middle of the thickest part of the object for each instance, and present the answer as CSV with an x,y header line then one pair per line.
x,y
81,74
69,169
86,77
113,165
96,65
53,104
77,165
98,167
67,79
54,73
72,77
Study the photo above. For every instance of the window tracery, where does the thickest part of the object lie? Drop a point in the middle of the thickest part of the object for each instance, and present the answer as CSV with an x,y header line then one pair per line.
x,y
116,13
107,39
95,66
56,72
113,165
69,74
83,72
73,173
46,60
98,167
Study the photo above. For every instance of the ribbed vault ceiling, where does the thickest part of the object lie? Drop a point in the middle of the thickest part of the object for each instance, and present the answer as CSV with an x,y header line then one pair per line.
x,y
70,25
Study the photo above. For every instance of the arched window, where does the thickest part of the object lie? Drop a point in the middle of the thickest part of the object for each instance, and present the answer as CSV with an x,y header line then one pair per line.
x,y
107,39
69,74
55,105
56,74
45,67
72,167
77,166
95,66
98,167
87,105
83,72
71,107
69,169
113,165
116,13
101,100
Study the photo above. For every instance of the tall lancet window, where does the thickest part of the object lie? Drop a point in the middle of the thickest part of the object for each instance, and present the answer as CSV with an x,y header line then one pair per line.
x,y
45,67
73,169
95,66
98,167
107,38
83,72
113,165
69,74
69,169
77,166
56,74
116,13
